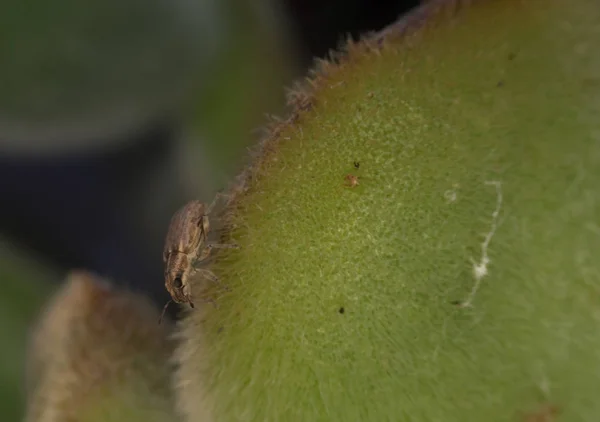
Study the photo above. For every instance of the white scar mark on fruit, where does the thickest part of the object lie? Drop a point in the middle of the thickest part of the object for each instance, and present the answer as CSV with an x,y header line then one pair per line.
x,y
544,386
451,194
480,269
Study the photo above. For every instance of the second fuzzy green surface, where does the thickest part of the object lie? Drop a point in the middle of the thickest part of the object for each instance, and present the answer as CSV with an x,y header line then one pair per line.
x,y
483,123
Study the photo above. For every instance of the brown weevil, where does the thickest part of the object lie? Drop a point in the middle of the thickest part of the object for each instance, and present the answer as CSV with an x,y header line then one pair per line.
x,y
186,246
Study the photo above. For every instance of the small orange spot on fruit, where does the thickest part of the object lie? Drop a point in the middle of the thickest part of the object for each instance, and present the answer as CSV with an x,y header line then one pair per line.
x,y
546,413
351,180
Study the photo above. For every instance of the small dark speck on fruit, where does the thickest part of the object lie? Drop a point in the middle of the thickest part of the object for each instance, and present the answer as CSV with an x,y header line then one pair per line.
x,y
356,165
342,310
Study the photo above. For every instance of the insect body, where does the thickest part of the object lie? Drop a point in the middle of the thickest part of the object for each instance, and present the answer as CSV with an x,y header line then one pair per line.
x,y
185,247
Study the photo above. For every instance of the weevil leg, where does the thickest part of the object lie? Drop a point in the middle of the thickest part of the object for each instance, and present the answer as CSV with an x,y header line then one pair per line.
x,y
210,300
214,202
222,246
205,255
207,274
211,276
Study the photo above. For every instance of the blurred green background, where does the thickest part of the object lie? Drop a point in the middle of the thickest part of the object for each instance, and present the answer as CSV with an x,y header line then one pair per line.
x,y
244,65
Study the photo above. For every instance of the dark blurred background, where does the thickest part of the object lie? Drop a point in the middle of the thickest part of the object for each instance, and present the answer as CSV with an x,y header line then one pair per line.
x,y
114,113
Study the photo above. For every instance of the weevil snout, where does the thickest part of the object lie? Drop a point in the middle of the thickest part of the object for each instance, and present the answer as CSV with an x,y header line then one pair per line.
x,y
177,284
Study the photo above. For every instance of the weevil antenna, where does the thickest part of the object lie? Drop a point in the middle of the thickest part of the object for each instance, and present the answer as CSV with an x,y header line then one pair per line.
x,y
218,196
162,314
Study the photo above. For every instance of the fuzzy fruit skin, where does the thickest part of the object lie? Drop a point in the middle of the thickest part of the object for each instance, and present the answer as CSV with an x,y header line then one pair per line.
x,y
478,138
98,354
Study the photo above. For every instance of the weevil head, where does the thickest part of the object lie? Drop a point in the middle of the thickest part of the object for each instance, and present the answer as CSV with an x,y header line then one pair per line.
x,y
177,274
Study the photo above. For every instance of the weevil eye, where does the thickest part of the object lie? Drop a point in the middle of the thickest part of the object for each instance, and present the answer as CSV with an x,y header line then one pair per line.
x,y
177,282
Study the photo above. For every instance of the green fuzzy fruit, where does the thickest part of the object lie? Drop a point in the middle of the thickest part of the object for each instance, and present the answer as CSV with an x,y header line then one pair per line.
x,y
460,279
97,354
